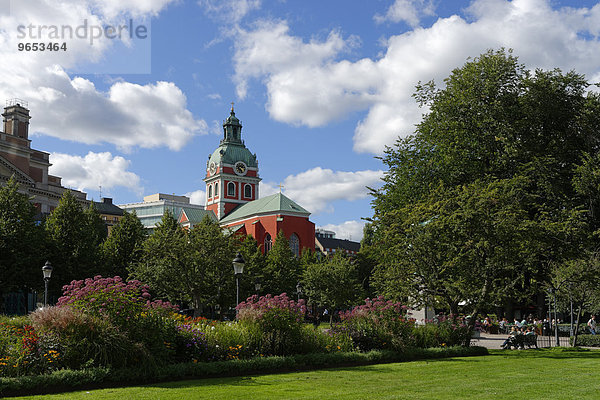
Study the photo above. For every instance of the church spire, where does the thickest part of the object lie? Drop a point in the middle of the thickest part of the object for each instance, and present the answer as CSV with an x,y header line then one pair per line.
x,y
232,128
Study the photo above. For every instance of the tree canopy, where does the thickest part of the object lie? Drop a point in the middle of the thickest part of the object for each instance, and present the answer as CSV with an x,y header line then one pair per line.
x,y
22,247
497,182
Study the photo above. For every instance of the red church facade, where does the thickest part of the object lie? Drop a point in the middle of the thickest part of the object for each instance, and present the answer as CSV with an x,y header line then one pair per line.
x,y
232,193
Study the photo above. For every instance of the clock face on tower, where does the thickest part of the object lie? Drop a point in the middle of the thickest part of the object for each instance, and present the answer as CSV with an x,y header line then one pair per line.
x,y
240,168
212,168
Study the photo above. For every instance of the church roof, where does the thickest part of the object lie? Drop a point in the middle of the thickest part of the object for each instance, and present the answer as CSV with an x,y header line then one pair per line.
x,y
230,153
105,206
274,204
195,215
333,243
232,148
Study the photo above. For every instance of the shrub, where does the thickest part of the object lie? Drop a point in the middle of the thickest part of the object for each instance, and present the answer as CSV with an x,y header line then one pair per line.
x,y
231,340
279,319
83,340
443,331
18,349
121,302
378,324
126,305
587,340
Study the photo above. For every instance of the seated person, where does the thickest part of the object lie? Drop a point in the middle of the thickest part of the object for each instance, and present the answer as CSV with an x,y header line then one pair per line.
x,y
510,340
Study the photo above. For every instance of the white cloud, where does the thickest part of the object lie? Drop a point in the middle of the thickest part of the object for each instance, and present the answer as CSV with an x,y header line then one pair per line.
x,y
71,107
266,189
409,11
317,188
308,83
197,197
351,230
113,8
231,11
94,170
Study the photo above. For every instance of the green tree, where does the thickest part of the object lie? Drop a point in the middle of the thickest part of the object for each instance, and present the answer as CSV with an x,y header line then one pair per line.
x,y
22,249
75,237
163,254
212,253
254,268
123,247
189,267
578,280
367,259
282,270
504,131
471,243
332,283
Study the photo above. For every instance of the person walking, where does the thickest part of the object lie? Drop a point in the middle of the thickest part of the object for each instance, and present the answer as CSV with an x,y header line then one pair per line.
x,y
592,325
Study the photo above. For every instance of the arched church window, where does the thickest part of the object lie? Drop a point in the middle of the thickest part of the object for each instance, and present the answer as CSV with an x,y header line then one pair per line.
x,y
216,189
268,243
295,244
248,191
209,191
231,189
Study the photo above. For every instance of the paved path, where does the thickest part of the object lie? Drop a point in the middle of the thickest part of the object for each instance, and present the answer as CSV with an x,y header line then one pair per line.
x,y
495,341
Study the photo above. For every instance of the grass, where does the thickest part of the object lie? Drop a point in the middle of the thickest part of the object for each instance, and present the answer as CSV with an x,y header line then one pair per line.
x,y
540,374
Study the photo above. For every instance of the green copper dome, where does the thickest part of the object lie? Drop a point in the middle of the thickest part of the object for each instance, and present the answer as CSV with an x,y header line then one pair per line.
x,y
232,149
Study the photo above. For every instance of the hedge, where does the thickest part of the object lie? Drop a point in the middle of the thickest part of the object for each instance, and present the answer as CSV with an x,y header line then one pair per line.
x,y
587,340
93,378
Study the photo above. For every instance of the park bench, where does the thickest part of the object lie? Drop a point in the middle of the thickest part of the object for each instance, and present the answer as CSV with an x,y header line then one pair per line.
x,y
520,341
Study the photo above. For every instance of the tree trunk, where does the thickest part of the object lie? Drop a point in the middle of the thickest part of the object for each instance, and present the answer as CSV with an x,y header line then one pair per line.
x,y
453,308
577,327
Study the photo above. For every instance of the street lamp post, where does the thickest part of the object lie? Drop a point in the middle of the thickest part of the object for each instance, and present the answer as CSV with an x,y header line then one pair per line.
x,y
571,301
299,290
257,285
47,271
238,269
555,321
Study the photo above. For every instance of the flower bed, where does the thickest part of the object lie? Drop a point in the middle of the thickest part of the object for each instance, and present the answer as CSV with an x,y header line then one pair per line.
x,y
106,322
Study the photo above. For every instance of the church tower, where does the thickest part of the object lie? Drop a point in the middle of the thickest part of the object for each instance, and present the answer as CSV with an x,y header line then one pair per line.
x,y
231,171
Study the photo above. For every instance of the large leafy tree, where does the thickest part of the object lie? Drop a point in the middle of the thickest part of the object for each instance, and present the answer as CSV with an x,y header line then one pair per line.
x,y
22,248
164,253
123,247
282,270
499,138
75,237
255,262
192,267
577,281
332,283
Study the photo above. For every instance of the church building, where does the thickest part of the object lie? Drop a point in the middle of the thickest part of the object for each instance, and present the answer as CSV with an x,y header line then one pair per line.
x,y
232,190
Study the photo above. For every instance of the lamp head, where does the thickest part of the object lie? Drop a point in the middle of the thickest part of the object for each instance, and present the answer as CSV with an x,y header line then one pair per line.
x,y
238,264
47,270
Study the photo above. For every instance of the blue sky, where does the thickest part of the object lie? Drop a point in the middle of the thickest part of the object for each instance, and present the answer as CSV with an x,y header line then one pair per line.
x,y
321,87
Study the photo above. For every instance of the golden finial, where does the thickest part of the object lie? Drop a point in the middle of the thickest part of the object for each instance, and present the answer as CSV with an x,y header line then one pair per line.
x,y
232,106
280,187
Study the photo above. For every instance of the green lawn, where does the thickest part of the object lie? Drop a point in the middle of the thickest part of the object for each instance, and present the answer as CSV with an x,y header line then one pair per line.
x,y
526,374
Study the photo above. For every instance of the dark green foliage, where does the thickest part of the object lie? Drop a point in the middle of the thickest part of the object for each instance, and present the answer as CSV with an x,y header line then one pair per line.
x,y
22,248
75,238
123,247
587,341
189,267
255,263
497,183
282,271
332,283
